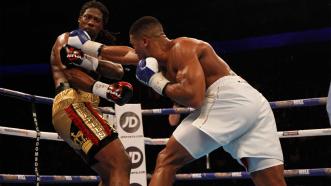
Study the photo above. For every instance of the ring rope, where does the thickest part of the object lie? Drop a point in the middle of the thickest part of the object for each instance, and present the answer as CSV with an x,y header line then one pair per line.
x,y
25,96
157,141
16,178
5,178
308,102
245,175
165,111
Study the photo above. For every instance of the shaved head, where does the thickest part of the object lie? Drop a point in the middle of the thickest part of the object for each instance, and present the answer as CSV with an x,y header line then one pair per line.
x,y
146,26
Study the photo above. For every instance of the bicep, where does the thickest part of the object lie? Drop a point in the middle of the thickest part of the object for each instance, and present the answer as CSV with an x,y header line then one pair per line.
x,y
79,79
57,67
119,54
189,86
191,76
110,70
55,53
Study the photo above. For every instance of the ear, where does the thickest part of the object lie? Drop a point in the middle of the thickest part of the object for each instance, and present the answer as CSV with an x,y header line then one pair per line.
x,y
145,41
79,19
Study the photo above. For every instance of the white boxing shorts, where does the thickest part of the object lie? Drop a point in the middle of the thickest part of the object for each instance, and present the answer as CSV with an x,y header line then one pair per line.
x,y
237,117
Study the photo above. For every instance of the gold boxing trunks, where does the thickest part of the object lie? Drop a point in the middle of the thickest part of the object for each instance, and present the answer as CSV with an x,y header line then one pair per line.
x,y
79,124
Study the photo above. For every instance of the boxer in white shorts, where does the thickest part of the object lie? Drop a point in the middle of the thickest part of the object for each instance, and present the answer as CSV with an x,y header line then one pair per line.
x,y
229,112
236,116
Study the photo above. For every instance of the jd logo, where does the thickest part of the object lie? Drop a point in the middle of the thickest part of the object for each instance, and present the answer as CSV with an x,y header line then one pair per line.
x,y
136,156
129,122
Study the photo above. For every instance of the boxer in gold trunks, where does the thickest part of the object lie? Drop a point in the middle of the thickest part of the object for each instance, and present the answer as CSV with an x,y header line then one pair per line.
x,y
74,114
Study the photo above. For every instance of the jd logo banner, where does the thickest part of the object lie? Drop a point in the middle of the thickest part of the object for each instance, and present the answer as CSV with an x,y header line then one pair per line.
x,y
136,156
129,122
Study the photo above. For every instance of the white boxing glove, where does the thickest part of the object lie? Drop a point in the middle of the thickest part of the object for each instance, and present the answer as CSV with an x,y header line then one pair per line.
x,y
147,72
81,40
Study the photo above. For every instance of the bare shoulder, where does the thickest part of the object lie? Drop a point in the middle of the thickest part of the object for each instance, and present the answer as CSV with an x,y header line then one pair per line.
x,y
187,45
59,42
191,42
62,39
188,40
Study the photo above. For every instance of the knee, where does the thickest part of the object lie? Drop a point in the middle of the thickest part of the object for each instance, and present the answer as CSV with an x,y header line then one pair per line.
x,y
125,162
166,160
120,162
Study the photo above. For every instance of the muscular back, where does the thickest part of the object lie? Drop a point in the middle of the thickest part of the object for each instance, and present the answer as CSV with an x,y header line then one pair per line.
x,y
194,66
212,65
56,65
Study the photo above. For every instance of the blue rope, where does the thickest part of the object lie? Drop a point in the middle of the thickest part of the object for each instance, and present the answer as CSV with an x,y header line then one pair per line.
x,y
165,111
14,178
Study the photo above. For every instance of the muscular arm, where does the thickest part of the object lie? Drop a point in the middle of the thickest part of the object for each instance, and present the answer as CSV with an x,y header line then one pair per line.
x,y
76,77
119,54
56,65
79,79
110,70
189,86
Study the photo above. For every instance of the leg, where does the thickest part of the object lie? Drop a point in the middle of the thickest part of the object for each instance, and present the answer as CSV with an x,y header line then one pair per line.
x,y
114,164
185,145
272,176
169,160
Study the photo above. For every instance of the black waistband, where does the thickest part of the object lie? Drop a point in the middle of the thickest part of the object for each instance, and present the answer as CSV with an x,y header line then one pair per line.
x,y
62,87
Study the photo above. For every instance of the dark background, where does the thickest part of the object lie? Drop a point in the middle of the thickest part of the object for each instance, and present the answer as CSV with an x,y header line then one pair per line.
x,y
288,71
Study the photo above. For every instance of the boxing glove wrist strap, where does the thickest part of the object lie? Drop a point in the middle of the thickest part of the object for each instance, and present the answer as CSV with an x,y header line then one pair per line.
x,y
100,89
158,82
91,48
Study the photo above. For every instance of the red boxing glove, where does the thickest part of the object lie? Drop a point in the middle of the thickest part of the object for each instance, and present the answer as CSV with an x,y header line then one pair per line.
x,y
73,57
119,93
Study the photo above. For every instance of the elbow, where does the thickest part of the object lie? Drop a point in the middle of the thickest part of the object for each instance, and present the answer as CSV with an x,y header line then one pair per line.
x,y
191,99
196,102
119,73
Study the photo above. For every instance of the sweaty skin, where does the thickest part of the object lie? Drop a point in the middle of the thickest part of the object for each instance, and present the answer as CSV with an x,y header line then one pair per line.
x,y
90,21
191,66
113,164
76,76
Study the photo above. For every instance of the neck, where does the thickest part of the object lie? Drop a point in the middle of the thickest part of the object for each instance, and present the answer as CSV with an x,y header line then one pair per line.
x,y
164,45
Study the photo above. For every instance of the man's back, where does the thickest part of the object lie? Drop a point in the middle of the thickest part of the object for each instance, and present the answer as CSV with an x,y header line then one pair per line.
x,y
56,64
212,65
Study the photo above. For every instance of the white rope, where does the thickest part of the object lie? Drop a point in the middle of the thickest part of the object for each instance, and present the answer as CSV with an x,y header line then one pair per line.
x,y
29,133
66,179
304,133
157,141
